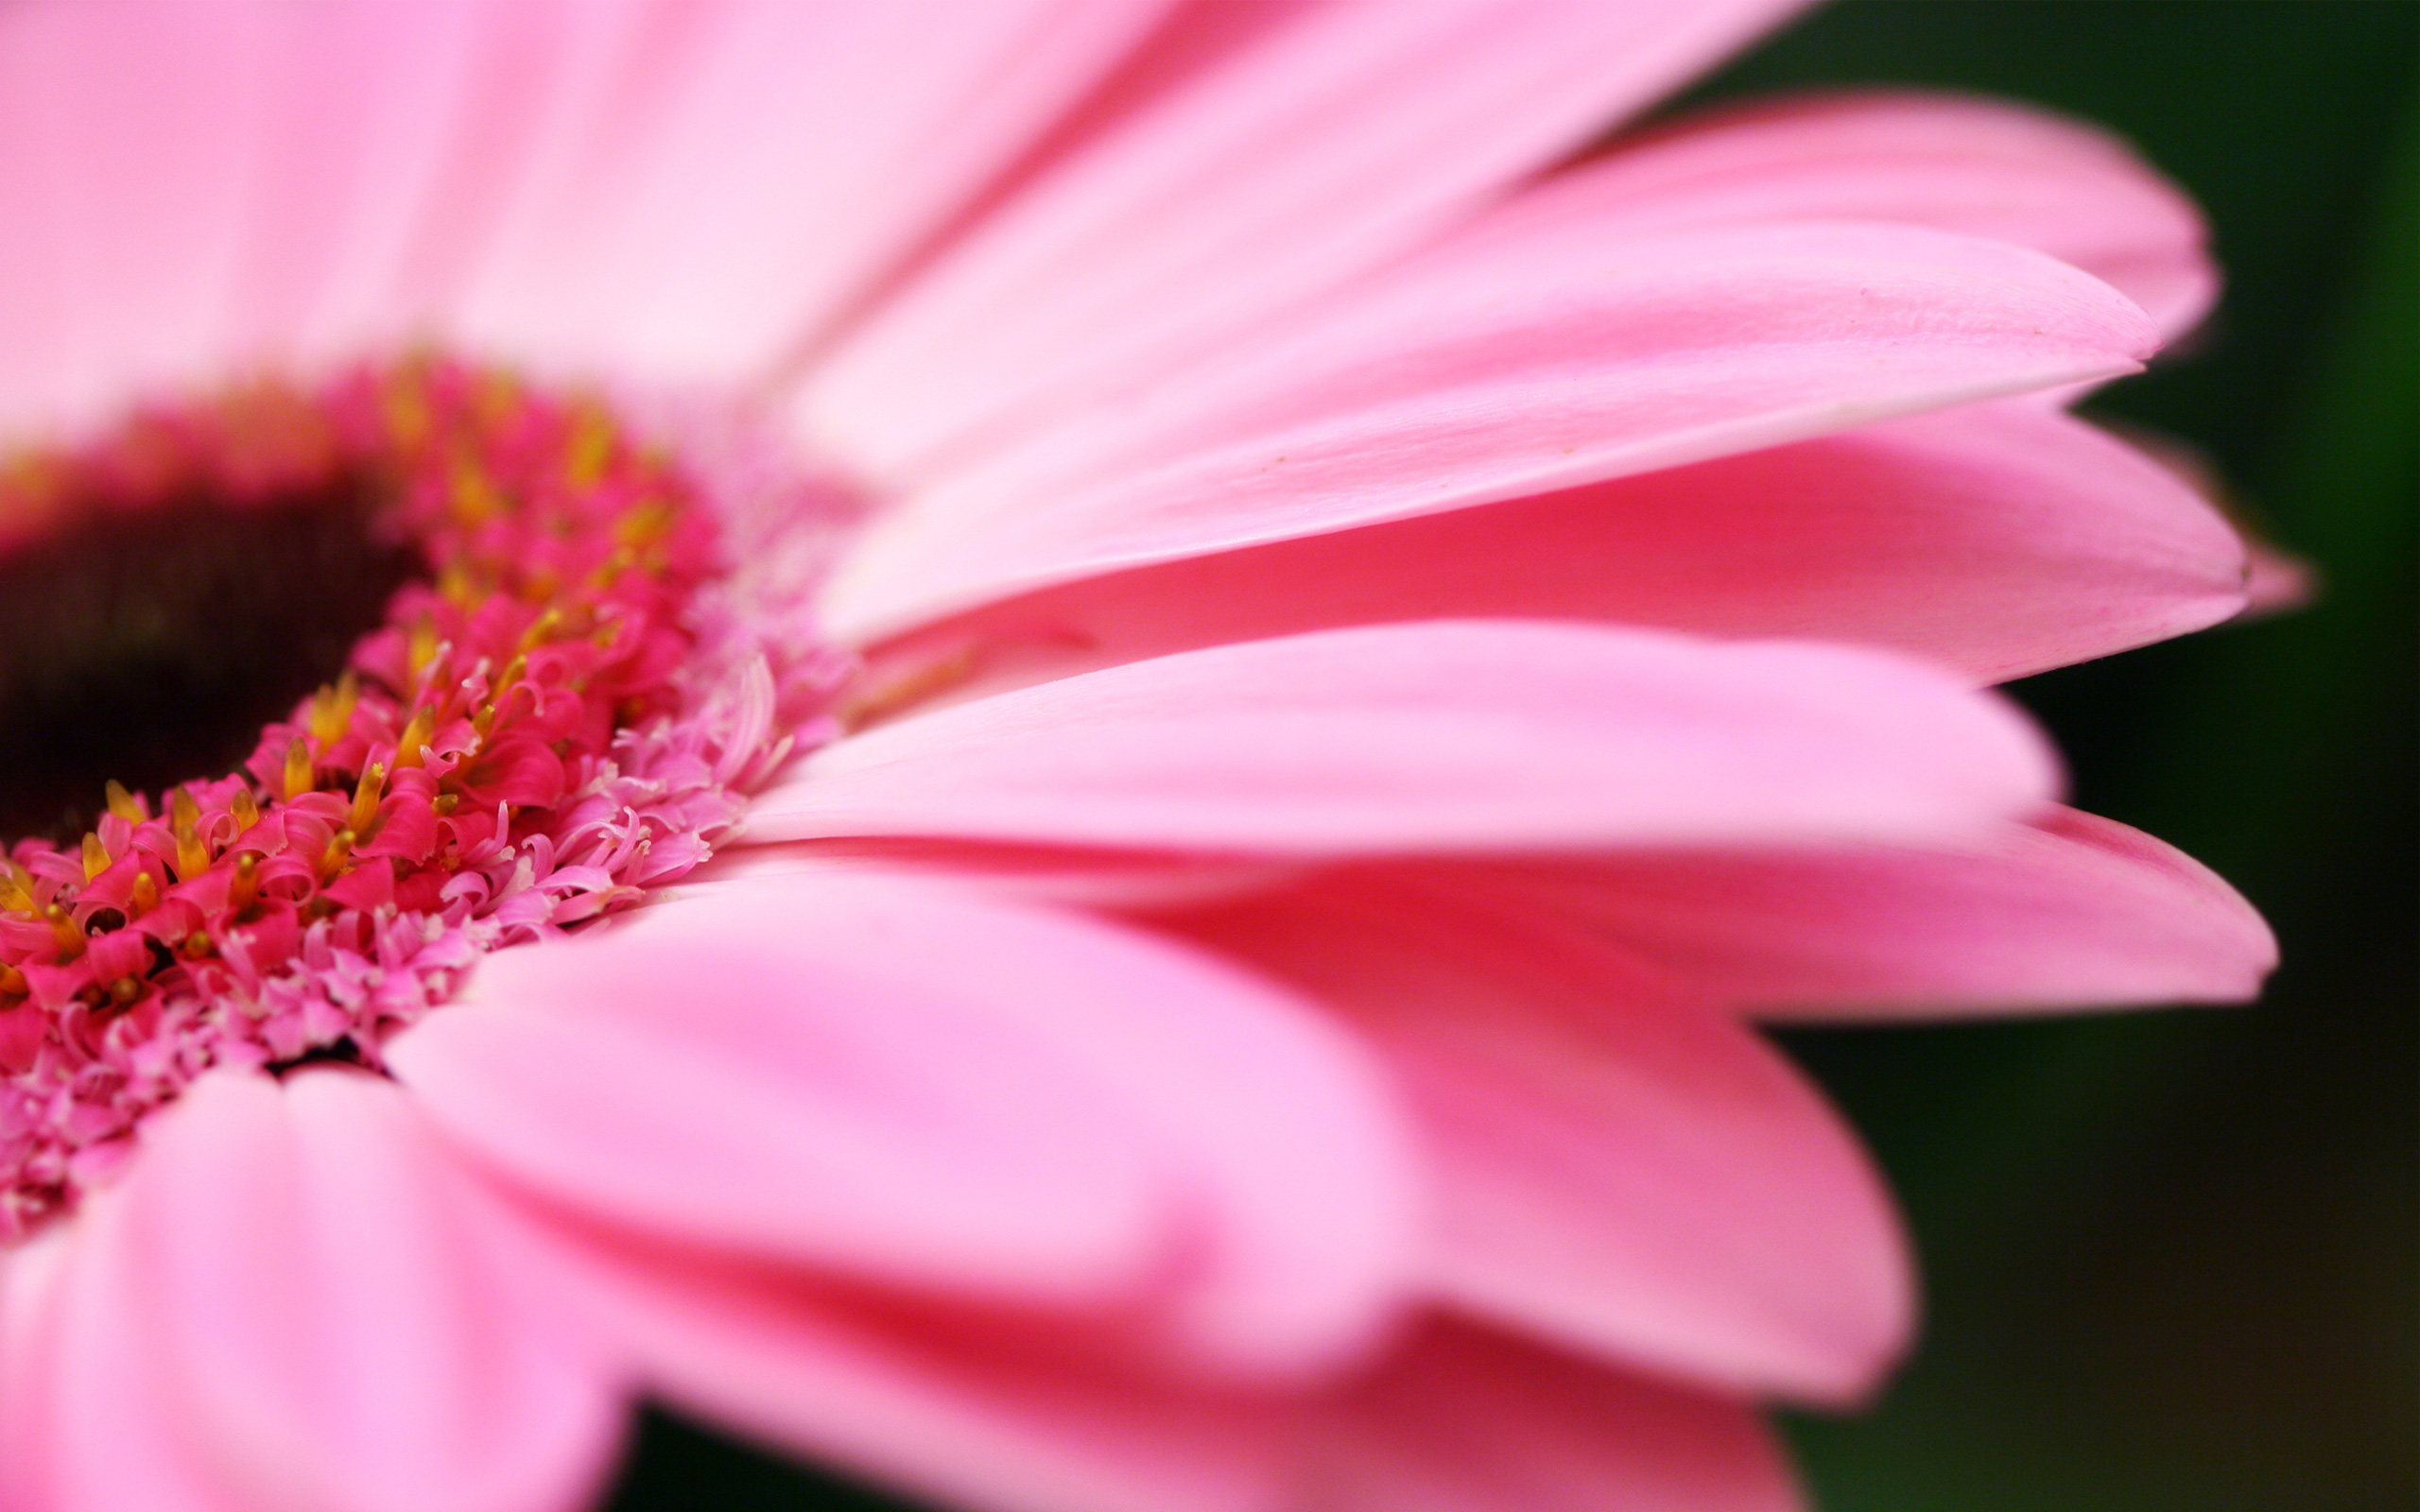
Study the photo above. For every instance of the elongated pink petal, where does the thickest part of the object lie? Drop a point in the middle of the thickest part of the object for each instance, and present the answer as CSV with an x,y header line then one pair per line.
x,y
1257,155
900,1079
1621,1166
731,176
1526,363
1466,1421
87,1420
287,1309
2000,539
1449,735
986,1414
1977,166
2070,912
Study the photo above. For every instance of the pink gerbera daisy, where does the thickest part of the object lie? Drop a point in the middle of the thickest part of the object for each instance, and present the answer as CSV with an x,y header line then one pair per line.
x,y
1047,746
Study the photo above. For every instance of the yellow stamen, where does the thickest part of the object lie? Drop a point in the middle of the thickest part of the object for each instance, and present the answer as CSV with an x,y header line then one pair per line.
x,y
16,888
445,803
245,808
421,649
540,629
123,803
184,820
365,795
146,892
196,945
332,710
63,929
590,449
13,983
96,856
245,884
125,991
298,768
339,850
415,736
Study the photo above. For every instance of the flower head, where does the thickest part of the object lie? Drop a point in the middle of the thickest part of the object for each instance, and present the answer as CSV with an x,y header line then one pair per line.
x,y
1063,737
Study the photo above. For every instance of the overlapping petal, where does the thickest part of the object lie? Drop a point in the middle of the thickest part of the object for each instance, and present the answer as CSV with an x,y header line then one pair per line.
x,y
1448,735
1998,538
1473,375
1620,1166
287,1306
1257,154
899,1080
2071,911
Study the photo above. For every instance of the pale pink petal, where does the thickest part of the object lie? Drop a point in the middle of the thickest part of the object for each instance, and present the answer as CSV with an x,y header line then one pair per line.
x,y
2070,912
126,151
1476,374
1256,155
727,178
1446,735
901,1079
1999,539
87,1422
1465,1420
972,1410
288,1302
1978,166
1620,1165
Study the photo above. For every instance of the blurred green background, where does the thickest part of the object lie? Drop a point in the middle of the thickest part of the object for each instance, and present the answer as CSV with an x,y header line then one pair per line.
x,y
2173,1259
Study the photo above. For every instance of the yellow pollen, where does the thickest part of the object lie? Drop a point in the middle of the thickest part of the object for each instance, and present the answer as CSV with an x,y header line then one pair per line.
x,y
146,892
298,768
63,929
421,649
332,710
415,736
96,856
445,803
540,629
123,803
365,795
245,884
184,820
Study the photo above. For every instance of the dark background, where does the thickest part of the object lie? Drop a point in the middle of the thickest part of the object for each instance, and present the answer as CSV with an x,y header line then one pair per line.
x,y
2173,1259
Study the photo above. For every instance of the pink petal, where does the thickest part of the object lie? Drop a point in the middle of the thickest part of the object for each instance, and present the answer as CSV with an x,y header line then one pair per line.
x,y
972,1410
898,1079
2000,539
1976,167
1622,1167
2069,912
1514,367
85,1419
1472,1422
1254,156
1448,735
290,1289
727,178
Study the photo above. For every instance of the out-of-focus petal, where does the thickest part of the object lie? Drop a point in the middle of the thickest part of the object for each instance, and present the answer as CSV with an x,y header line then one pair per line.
x,y
1981,167
1524,365
1257,154
1466,1421
728,177
286,1309
2070,912
1999,539
1448,735
1620,1165
904,1081
974,1411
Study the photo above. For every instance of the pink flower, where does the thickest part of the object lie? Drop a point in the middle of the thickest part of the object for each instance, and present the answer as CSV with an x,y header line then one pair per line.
x,y
1335,664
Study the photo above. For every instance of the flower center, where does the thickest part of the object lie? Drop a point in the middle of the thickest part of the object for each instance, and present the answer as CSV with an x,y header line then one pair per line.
x,y
530,706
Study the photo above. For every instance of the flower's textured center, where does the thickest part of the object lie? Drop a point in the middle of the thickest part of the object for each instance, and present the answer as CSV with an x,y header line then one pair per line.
x,y
535,709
